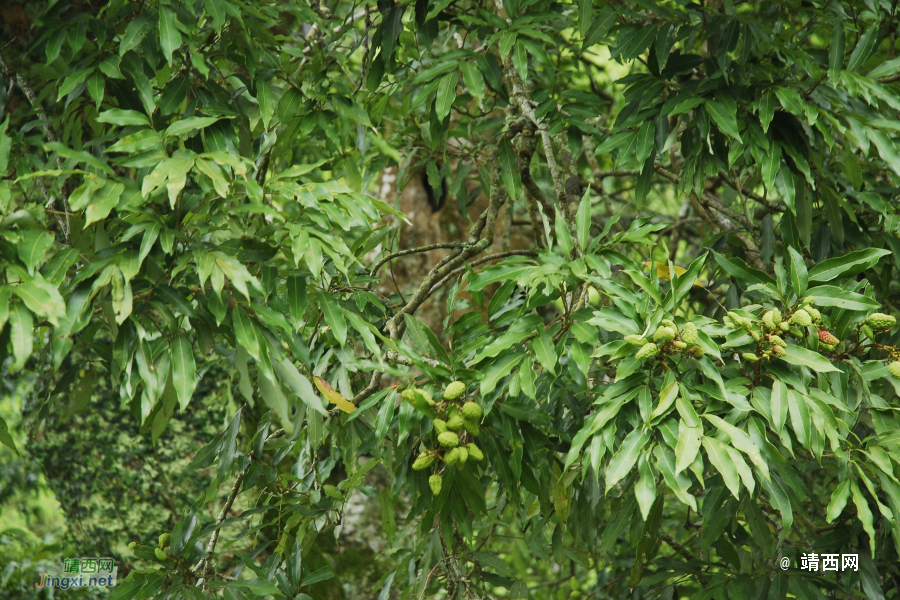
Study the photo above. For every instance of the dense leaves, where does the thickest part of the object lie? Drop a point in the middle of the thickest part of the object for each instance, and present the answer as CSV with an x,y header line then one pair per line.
x,y
689,373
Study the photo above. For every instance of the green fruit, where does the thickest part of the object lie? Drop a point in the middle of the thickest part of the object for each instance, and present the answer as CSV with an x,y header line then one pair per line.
x,y
668,323
754,335
826,337
462,457
778,351
434,482
133,545
448,439
451,457
698,352
768,320
427,396
784,326
777,341
455,422
648,351
440,426
161,554
475,452
867,331
164,539
801,318
423,461
664,334
794,331
750,357
880,321
814,313
894,369
409,394
472,427
455,391
827,347
776,316
690,336
472,411
635,340
679,344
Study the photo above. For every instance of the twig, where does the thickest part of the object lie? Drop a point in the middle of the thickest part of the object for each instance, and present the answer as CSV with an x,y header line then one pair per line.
x,y
394,255
683,552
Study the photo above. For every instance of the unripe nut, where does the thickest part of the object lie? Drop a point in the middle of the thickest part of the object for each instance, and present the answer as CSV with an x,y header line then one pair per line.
x,y
690,336
894,369
455,391
774,339
801,318
475,452
440,426
472,427
784,326
827,337
750,357
462,456
679,344
635,340
664,334
880,321
448,439
161,554
423,461
455,422
471,410
164,539
668,323
434,482
133,545
648,351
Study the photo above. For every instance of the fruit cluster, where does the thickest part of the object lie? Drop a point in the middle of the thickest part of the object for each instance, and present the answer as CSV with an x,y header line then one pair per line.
x,y
455,424
667,340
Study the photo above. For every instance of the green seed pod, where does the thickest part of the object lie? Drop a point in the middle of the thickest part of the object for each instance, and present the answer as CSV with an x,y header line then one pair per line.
x,y
164,539
409,395
133,545
440,426
475,452
827,347
451,457
801,318
648,351
455,422
472,427
777,341
448,439
826,337
472,411
880,321
679,344
778,351
814,314
668,323
424,460
754,335
434,482
427,396
664,334
794,331
463,456
867,331
750,357
894,369
776,316
161,554
807,300
455,391
635,340
690,336
784,326
768,320
698,352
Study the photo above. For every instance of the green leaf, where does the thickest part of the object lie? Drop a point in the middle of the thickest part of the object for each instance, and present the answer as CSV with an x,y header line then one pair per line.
x,y
545,352
830,295
885,69
169,36
599,28
499,369
680,484
743,442
266,101
334,316
799,276
33,246
244,332
185,126
721,459
790,100
103,201
215,10
627,455
583,220
864,514
136,30
585,16
322,574
502,272
446,94
520,60
41,297
667,397
766,110
848,265
21,333
645,140
886,148
836,52
649,537
724,114
473,79
299,385
509,170
5,438
738,269
184,370
689,439
71,82
839,498
779,405
118,116
259,586
864,46
645,488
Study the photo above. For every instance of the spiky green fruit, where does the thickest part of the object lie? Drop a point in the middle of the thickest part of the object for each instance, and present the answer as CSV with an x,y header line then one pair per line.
x,y
826,337
754,335
440,426
880,321
435,482
784,326
471,410
475,452
409,395
164,539
778,351
472,427
801,318
161,554
133,545
426,395
698,352
727,322
455,422
867,331
462,456
664,334
668,323
777,341
750,357
455,391
648,351
423,461
451,457
827,347
814,314
768,320
795,331
894,369
690,336
448,439
635,340
776,315
679,344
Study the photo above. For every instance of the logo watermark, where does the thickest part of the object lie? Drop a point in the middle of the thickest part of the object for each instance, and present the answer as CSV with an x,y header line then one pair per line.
x,y
829,562
83,572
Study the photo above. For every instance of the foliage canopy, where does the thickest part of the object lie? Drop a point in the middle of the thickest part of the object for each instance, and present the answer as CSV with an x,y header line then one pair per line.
x,y
685,376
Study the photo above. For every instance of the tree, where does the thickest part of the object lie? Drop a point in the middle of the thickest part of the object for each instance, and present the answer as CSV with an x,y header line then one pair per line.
x,y
688,375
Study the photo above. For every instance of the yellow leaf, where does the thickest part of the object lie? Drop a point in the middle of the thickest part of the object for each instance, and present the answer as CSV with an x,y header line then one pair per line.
x,y
662,271
333,395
